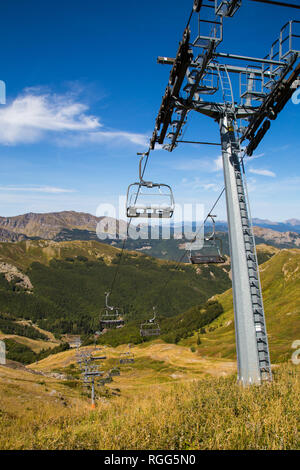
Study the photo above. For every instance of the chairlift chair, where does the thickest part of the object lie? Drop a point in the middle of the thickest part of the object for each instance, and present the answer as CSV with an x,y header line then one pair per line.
x,y
151,327
149,200
211,252
126,358
111,317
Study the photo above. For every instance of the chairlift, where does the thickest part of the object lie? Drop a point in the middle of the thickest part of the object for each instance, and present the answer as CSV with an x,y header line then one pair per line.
x,y
151,327
111,317
212,250
126,358
149,200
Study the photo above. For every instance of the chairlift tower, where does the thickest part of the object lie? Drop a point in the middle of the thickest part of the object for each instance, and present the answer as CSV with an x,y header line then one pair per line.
x,y
91,373
2,353
199,72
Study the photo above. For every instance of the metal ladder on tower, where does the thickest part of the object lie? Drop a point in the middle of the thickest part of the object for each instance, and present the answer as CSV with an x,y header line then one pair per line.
x,y
254,280
225,84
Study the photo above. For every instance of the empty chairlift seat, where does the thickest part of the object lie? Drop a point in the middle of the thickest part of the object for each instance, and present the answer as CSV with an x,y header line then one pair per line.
x,y
149,200
211,252
151,327
126,358
110,318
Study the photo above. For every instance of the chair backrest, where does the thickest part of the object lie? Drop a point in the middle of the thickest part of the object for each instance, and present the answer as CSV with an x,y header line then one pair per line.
x,y
150,201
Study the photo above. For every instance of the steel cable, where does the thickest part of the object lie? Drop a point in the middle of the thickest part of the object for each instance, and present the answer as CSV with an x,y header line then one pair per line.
x,y
128,226
187,250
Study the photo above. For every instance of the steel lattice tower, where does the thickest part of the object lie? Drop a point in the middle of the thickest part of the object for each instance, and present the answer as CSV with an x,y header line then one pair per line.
x,y
198,72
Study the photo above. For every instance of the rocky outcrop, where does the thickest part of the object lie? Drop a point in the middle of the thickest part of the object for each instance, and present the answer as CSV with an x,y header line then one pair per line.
x,y
11,274
9,236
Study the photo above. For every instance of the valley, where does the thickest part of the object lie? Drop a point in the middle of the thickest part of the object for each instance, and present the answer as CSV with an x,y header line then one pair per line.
x,y
51,292
178,384
166,400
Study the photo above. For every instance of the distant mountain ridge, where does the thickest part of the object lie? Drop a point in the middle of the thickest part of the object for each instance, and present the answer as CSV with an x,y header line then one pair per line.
x,y
75,226
291,225
49,225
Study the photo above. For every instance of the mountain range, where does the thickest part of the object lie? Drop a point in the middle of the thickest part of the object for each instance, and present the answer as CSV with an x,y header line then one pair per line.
x,y
289,225
71,225
51,226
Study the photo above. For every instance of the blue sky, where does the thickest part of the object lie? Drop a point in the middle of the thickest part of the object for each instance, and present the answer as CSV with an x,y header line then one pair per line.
x,y
83,91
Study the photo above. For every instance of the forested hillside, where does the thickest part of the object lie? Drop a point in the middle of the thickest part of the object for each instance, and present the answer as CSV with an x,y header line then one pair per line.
x,y
68,292
173,329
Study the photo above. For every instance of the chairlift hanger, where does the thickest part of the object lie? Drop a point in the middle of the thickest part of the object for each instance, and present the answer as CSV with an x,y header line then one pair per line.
x,y
151,327
164,191
215,243
126,358
111,317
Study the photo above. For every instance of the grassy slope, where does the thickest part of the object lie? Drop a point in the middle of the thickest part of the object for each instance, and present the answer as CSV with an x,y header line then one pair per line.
x,y
280,277
23,254
40,412
155,362
34,344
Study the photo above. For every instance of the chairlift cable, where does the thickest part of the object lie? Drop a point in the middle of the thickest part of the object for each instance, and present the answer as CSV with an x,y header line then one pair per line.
x,y
277,3
180,260
190,17
128,225
186,251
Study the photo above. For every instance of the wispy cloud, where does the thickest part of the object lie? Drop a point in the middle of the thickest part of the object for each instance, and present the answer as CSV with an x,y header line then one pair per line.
x,y
34,114
262,172
248,160
218,163
209,165
112,137
37,189
197,184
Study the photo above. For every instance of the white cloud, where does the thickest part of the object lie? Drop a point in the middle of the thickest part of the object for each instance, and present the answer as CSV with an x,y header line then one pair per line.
x,y
35,113
113,137
206,164
38,189
30,115
248,159
262,172
259,155
197,184
218,163
138,139
190,164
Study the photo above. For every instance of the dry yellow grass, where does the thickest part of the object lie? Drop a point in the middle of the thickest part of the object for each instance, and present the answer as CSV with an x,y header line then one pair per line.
x,y
210,413
35,344
168,400
155,363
